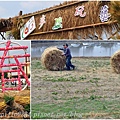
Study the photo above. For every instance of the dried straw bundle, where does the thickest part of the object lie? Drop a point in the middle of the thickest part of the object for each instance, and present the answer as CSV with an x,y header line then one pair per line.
x,y
115,61
74,27
52,59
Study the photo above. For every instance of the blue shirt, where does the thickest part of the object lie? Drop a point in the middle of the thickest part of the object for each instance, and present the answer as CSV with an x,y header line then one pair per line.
x,y
67,52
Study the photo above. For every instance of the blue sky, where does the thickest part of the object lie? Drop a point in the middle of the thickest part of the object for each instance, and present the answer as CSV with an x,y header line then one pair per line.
x,y
12,8
16,52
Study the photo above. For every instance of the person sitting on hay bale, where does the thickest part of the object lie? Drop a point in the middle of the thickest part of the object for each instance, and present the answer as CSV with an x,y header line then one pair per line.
x,y
68,55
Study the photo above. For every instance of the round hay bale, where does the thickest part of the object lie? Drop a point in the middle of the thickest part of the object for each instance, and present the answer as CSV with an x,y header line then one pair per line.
x,y
115,61
53,59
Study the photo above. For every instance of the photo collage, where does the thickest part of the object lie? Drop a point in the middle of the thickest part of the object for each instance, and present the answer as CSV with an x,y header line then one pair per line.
x,y
60,60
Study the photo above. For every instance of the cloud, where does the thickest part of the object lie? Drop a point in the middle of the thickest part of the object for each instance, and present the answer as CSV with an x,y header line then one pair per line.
x,y
12,8
29,4
33,6
3,11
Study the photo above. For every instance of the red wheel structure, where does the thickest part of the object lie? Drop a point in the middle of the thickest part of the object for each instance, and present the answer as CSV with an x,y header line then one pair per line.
x,y
17,63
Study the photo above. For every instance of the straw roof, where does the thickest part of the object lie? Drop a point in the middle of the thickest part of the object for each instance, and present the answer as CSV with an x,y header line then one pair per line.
x,y
73,27
5,24
115,10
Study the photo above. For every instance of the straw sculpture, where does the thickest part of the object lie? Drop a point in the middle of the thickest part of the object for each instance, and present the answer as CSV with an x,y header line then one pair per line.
x,y
79,27
115,10
74,27
53,59
5,24
115,61
15,31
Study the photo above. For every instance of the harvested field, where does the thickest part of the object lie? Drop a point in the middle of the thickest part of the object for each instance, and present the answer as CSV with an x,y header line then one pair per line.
x,y
92,90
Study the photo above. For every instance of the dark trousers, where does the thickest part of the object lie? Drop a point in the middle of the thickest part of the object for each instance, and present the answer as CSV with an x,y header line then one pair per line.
x,y
68,63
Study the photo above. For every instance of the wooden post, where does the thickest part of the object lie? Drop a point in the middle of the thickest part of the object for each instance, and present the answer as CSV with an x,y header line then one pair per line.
x,y
20,13
3,38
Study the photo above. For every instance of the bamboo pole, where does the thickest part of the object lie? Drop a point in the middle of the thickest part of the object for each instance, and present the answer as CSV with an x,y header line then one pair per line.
x,y
73,28
2,36
14,48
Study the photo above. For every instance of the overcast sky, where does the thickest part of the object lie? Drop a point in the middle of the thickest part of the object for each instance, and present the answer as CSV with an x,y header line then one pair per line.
x,y
21,43
12,8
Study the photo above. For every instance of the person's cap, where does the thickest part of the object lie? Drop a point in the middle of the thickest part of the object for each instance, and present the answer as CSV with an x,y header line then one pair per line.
x,y
65,45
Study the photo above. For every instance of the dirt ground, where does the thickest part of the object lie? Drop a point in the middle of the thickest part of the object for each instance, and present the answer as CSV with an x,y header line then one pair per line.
x,y
92,76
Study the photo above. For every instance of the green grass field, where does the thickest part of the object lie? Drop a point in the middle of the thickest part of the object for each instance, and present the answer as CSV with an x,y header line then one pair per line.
x,y
90,91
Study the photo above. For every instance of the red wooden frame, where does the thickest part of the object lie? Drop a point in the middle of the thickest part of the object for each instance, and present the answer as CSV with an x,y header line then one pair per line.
x,y
19,70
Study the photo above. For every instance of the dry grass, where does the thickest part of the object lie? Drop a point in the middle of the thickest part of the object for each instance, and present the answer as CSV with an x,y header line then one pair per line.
x,y
22,97
92,8
92,76
91,90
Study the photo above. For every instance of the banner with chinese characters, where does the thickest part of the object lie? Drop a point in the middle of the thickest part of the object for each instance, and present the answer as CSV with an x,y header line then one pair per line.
x,y
104,15
42,21
27,28
80,11
58,23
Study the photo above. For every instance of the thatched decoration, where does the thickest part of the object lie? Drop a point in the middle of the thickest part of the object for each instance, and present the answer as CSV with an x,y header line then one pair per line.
x,y
53,59
20,23
17,24
115,10
115,62
15,31
73,27
5,24
115,14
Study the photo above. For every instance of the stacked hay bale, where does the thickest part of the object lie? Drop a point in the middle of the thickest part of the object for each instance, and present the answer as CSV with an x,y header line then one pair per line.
x,y
115,61
53,59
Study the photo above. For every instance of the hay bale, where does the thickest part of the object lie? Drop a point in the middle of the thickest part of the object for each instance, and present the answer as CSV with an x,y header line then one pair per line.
x,y
22,100
2,105
115,61
52,59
